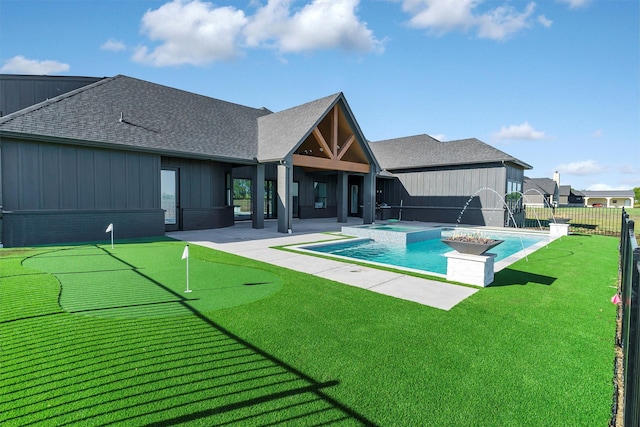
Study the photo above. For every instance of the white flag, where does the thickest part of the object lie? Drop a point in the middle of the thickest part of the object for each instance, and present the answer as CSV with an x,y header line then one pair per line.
x,y
185,253
109,228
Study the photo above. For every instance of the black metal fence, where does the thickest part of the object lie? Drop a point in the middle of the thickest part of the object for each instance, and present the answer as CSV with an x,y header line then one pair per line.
x,y
604,221
627,396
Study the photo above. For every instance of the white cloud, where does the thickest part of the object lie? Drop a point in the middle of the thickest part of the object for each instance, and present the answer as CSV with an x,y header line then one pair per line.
x,y
503,21
326,24
113,45
597,133
574,4
190,32
442,16
544,21
585,167
439,137
196,32
21,65
523,131
606,187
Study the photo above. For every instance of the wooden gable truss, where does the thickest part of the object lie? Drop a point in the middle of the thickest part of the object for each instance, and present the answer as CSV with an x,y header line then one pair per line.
x,y
332,145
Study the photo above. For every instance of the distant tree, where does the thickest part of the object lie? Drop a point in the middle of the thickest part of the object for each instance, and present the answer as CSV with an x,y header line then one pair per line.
x,y
636,192
241,188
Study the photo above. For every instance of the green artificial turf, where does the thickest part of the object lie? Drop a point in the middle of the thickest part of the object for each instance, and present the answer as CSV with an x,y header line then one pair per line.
x,y
98,280
91,336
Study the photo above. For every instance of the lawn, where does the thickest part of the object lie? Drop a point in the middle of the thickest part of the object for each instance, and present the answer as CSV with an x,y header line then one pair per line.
x,y
94,336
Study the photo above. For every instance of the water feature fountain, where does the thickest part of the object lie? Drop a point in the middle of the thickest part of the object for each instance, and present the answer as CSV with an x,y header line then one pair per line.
x,y
475,269
504,203
559,227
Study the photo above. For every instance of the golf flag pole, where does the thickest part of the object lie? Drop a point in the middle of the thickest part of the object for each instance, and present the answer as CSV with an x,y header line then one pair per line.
x,y
110,230
185,255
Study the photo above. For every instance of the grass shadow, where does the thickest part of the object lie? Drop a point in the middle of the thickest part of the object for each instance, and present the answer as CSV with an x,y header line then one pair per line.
x,y
73,368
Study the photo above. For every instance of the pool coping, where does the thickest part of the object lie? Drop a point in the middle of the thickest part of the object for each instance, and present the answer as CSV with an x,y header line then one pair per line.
x,y
262,245
498,266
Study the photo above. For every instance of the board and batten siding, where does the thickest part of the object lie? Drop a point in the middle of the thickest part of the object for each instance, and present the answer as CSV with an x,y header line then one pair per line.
x,y
57,193
202,193
64,177
21,91
451,185
440,195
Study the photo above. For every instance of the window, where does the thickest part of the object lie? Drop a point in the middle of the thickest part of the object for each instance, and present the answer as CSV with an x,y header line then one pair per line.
x,y
169,194
514,195
228,189
320,195
242,198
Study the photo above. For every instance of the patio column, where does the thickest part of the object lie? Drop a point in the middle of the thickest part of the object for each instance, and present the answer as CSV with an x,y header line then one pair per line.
x,y
285,199
257,196
342,196
369,197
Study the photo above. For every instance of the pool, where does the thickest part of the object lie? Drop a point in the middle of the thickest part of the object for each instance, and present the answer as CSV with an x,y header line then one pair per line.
x,y
427,255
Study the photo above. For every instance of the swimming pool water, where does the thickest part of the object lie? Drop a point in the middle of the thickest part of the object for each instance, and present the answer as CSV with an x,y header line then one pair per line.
x,y
427,255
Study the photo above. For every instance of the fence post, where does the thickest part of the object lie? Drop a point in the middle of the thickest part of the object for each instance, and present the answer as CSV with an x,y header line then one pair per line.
x,y
632,379
630,336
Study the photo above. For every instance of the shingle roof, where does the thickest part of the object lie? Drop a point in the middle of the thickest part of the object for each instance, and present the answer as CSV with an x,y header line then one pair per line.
x,y
611,193
421,151
546,186
565,190
280,132
154,117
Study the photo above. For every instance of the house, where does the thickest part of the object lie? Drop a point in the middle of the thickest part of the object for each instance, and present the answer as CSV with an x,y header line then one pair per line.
x,y
541,192
609,199
570,197
430,180
150,159
21,91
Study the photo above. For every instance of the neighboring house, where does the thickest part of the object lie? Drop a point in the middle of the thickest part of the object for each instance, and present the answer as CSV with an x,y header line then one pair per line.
x,y
609,199
150,159
542,192
570,197
434,180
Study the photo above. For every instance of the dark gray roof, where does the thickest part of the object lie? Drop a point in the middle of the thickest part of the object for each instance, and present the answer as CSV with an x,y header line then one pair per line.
x,y
610,193
420,151
154,117
546,186
279,133
565,190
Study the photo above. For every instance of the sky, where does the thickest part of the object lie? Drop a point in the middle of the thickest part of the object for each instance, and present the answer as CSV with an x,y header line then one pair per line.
x,y
554,83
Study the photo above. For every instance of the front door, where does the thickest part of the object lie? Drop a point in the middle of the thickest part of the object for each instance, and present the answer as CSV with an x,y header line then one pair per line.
x,y
170,200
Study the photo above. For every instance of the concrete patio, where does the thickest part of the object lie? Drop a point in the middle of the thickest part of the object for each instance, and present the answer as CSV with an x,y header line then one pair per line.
x,y
258,244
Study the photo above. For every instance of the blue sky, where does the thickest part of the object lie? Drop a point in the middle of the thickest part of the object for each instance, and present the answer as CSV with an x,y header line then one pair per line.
x,y
554,83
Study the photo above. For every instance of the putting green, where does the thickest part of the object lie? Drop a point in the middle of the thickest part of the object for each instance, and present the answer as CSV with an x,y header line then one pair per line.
x,y
148,280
